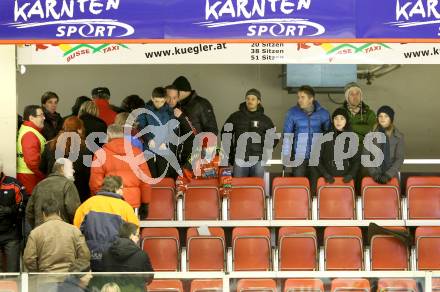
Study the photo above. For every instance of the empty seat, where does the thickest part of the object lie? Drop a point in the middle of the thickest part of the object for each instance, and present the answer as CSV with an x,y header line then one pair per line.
x,y
202,200
291,198
297,248
207,285
423,194
343,248
399,285
165,286
380,202
205,252
303,285
388,252
254,285
350,285
162,246
336,201
162,204
8,286
247,199
251,249
428,248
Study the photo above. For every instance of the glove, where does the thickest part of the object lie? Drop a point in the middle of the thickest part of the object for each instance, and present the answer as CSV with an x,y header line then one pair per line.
x,y
376,178
347,178
143,211
384,179
329,179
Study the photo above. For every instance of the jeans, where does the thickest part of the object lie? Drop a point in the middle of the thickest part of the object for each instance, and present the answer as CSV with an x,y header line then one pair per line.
x,y
11,249
256,170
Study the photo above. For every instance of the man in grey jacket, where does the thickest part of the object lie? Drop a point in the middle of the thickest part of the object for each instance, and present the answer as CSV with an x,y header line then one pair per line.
x,y
59,186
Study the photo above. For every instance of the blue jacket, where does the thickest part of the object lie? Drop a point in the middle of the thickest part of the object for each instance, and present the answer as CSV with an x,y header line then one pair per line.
x,y
298,122
164,115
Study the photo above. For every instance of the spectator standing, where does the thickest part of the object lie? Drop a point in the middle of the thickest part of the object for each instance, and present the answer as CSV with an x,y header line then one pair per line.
x,y
53,120
101,97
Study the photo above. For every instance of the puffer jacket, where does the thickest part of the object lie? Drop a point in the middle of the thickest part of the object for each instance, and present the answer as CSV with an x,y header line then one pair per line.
x,y
245,121
161,117
363,122
200,113
298,122
110,161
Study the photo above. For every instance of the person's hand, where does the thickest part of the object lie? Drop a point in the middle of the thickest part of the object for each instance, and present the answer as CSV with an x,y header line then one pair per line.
x,y
377,178
347,178
162,146
143,211
177,112
329,179
384,179
151,144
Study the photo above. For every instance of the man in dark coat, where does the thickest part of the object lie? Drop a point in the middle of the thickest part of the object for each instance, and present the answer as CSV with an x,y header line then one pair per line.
x,y
250,118
53,121
125,256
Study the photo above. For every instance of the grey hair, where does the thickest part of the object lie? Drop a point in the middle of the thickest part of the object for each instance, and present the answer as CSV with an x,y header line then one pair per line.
x,y
58,166
115,131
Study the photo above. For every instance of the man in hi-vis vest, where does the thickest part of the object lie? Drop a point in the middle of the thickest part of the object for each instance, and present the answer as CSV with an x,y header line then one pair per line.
x,y
30,146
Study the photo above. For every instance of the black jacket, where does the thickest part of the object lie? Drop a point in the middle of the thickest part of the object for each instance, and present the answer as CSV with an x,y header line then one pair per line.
x,y
93,124
200,113
327,165
245,121
52,125
82,172
125,256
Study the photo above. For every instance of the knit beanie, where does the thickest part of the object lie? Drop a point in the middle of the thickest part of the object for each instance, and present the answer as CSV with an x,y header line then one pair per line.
x,y
182,84
342,112
387,110
254,92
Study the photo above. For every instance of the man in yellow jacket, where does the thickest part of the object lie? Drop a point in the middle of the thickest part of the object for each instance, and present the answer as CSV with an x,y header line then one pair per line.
x,y
100,217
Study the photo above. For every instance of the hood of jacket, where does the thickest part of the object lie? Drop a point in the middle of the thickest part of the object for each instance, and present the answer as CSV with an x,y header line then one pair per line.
x,y
116,146
123,248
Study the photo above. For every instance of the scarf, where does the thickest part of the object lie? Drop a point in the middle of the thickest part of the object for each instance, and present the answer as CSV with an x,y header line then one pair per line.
x,y
385,147
309,110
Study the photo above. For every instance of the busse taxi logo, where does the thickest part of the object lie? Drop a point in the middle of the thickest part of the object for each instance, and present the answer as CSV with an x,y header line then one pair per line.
x,y
71,52
335,50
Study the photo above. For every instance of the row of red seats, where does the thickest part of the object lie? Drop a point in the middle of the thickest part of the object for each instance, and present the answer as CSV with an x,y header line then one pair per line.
x,y
292,200
291,285
297,249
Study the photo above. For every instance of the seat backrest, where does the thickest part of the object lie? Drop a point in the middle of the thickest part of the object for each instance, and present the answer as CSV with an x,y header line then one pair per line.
x,y
247,199
207,285
428,247
8,286
343,248
336,201
162,204
254,285
380,202
435,286
251,249
423,194
297,248
399,285
352,285
165,286
162,246
202,200
388,252
303,285
205,252
291,198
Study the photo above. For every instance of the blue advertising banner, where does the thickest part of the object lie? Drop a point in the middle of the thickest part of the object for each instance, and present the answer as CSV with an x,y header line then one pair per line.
x,y
217,19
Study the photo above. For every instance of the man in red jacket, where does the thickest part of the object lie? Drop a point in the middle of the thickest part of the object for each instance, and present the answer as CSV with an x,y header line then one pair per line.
x,y
30,146
101,97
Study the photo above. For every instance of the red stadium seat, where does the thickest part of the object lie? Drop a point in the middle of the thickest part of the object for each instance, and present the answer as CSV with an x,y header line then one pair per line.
x,y
251,249
256,285
380,202
303,285
291,198
205,253
428,248
343,248
202,200
435,284
297,248
400,285
350,285
165,286
162,246
207,285
8,286
423,194
388,252
247,199
336,201
162,205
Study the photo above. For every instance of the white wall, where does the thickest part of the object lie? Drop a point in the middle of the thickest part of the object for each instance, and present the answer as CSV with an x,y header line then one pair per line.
x,y
412,91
